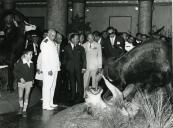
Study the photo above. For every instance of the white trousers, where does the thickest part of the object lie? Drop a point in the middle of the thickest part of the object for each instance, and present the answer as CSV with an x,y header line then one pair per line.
x,y
49,84
87,76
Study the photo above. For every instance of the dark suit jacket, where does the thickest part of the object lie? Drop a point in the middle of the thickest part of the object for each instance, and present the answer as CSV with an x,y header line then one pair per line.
x,y
74,59
113,51
22,70
63,45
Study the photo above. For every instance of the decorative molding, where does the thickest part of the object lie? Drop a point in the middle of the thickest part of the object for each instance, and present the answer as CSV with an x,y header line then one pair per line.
x,y
79,1
43,3
146,0
112,3
30,4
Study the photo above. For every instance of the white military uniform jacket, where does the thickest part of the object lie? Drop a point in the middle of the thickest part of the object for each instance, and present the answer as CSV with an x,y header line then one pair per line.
x,y
39,75
93,55
50,57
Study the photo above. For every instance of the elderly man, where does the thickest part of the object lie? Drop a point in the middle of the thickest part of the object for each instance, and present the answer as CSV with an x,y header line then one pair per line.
x,y
93,61
50,67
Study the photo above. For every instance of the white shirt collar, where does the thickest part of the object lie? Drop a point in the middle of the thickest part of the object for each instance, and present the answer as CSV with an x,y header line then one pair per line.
x,y
99,41
72,45
112,40
26,62
89,43
50,40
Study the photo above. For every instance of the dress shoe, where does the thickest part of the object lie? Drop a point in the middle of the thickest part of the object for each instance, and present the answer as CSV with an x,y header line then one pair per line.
x,y
24,114
48,108
20,111
54,105
11,90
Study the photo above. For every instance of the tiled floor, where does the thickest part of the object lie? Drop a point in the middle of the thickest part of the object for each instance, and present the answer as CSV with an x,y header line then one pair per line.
x,y
37,118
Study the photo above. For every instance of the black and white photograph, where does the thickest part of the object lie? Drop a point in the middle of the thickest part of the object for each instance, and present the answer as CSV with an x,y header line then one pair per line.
x,y
86,64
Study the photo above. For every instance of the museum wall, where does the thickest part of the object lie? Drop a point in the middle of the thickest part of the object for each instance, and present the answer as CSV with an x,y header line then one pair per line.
x,y
162,16
35,13
99,16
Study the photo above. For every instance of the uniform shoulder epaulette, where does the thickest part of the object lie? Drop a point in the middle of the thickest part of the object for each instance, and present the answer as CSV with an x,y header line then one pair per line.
x,y
46,40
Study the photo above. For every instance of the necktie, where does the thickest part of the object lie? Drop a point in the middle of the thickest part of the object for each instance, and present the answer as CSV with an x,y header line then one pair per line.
x,y
112,41
90,45
74,47
26,45
35,50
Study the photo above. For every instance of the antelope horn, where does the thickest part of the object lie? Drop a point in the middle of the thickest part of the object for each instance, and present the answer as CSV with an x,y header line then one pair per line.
x,y
15,22
26,23
117,94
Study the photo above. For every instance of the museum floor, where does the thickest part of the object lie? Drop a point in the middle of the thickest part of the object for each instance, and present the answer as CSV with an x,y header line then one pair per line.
x,y
37,118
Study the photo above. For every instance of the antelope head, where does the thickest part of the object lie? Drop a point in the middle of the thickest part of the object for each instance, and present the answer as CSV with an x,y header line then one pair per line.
x,y
94,100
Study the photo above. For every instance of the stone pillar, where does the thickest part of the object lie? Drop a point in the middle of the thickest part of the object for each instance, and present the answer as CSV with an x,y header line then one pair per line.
x,y
78,8
145,16
57,15
79,11
8,4
1,10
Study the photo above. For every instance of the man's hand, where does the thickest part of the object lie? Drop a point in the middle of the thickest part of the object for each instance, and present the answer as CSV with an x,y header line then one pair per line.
x,y
99,70
50,73
22,80
83,70
39,71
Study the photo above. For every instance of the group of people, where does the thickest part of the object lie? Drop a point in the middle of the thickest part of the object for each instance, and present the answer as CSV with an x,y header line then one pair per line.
x,y
76,63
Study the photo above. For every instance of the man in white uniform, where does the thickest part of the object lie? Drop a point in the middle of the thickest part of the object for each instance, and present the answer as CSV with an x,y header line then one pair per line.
x,y
50,67
93,62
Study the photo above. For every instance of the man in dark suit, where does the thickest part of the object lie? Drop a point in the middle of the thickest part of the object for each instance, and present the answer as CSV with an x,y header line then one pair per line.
x,y
98,37
113,46
32,43
75,64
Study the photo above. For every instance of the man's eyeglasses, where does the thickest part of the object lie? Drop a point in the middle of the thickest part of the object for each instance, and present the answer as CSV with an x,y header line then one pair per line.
x,y
111,33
